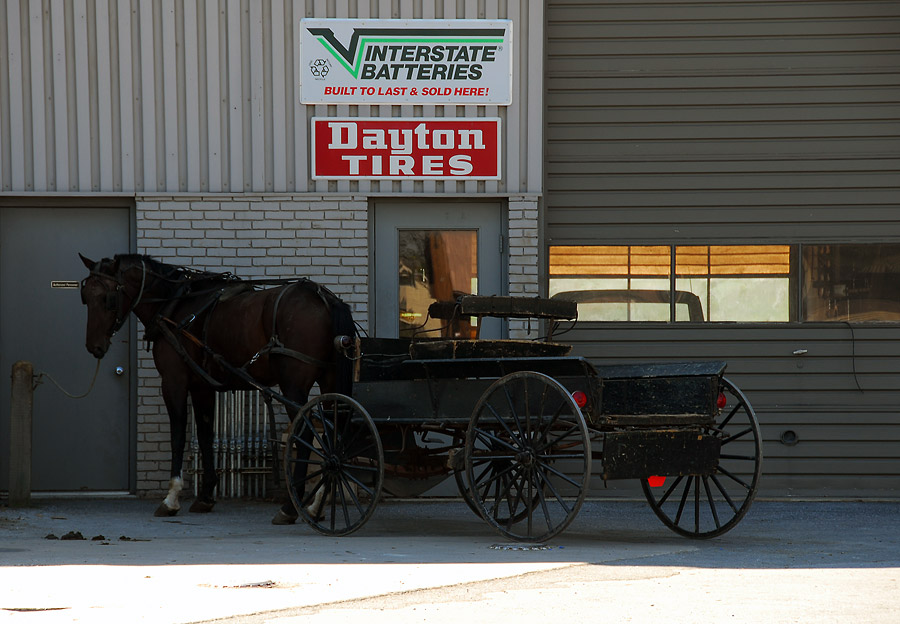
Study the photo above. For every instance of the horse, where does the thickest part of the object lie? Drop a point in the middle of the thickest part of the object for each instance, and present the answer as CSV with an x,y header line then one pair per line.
x,y
213,332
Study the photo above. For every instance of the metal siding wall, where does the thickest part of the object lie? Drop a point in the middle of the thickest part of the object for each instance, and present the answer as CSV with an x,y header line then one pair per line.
x,y
719,105
741,121
184,96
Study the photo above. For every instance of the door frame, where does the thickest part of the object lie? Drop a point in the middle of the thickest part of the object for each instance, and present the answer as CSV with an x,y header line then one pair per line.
x,y
502,245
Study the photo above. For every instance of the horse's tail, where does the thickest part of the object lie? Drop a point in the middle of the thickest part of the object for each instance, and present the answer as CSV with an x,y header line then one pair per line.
x,y
343,325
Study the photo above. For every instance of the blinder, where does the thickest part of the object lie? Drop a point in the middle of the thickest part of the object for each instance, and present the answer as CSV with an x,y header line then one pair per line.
x,y
112,300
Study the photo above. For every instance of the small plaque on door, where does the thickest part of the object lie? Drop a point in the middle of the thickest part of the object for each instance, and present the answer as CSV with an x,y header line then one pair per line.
x,y
65,284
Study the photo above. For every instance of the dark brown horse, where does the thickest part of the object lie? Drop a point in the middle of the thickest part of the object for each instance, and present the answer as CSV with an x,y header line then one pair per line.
x,y
214,332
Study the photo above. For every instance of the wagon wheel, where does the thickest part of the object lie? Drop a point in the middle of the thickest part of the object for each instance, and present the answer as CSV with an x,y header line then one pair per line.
x,y
485,471
334,464
528,456
462,484
704,506
462,481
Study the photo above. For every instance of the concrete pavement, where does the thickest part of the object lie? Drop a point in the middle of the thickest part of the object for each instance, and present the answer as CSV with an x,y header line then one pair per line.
x,y
435,561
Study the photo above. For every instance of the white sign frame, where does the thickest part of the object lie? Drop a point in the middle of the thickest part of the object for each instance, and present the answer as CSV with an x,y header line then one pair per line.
x,y
354,61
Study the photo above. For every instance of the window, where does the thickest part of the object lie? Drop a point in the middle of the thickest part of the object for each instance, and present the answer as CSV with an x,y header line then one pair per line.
x,y
847,282
730,283
747,283
613,283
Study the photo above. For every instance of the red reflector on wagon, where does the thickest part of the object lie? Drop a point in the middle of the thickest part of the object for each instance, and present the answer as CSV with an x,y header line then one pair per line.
x,y
580,398
721,401
656,481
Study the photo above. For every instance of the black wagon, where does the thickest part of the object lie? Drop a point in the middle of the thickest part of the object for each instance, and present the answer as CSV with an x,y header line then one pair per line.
x,y
523,427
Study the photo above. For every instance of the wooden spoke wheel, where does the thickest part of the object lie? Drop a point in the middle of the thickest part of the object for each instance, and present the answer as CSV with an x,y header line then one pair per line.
x,y
704,506
528,457
334,464
485,471
462,483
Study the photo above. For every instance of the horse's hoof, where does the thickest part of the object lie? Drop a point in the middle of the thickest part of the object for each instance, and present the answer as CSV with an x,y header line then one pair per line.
x,y
282,518
201,506
164,512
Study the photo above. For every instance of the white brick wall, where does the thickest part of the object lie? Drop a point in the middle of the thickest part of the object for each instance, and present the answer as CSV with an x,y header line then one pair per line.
x,y
323,237
523,259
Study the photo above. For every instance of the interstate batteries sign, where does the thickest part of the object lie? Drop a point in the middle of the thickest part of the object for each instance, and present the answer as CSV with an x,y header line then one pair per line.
x,y
394,148
345,61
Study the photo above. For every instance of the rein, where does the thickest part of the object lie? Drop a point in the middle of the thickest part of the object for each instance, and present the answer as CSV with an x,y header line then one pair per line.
x,y
134,302
39,379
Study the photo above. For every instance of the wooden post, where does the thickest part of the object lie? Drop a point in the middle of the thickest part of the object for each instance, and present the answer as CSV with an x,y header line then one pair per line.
x,y
22,409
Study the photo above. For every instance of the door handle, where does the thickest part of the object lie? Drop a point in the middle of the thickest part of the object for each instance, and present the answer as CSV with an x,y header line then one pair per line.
x,y
120,370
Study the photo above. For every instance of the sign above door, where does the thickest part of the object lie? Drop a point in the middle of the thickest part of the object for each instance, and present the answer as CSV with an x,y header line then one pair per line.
x,y
445,148
352,61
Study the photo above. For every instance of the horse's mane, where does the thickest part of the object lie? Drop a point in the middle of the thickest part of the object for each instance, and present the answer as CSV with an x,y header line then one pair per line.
x,y
178,276
175,280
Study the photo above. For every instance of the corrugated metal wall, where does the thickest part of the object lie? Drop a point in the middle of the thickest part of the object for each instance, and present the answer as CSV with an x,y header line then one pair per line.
x,y
741,121
688,109
202,96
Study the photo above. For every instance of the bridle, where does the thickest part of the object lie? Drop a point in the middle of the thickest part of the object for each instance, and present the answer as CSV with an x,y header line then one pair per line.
x,y
114,297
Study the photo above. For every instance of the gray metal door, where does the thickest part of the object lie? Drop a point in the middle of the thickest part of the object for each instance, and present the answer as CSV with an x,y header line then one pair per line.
x,y
419,244
476,227
78,445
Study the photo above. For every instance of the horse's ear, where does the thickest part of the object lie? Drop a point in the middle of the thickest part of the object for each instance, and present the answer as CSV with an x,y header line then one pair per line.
x,y
87,262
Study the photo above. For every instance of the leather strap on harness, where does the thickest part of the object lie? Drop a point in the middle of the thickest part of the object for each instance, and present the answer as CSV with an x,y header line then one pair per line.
x,y
181,351
274,346
277,347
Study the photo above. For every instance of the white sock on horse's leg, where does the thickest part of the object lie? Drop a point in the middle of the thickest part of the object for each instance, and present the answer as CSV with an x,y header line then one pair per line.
x,y
176,484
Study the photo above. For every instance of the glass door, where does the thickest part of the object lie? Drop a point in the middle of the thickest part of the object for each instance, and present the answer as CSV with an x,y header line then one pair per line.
x,y
436,265
435,252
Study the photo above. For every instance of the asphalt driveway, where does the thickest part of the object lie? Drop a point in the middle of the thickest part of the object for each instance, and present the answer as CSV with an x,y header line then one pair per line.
x,y
435,561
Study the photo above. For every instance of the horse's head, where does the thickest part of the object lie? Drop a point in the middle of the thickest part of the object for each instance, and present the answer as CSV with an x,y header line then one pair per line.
x,y
103,292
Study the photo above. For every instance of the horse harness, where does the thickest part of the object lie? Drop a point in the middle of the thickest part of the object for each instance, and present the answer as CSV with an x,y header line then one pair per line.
x,y
168,327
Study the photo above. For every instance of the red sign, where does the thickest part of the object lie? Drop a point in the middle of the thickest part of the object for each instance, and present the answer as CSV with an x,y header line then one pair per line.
x,y
406,149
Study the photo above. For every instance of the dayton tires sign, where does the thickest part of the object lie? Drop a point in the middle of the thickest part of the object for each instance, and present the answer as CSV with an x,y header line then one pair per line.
x,y
397,148
405,61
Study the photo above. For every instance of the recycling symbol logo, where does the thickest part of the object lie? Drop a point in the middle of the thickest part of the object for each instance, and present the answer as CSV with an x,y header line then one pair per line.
x,y
320,68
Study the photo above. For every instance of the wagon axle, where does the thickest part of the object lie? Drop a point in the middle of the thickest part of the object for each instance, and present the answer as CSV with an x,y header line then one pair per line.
x,y
525,458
